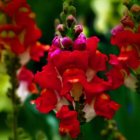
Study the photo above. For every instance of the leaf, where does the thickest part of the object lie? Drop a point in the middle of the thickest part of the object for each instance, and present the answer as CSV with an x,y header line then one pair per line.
x,y
4,83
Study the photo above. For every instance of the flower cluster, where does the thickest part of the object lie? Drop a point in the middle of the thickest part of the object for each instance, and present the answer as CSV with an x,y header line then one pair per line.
x,y
19,43
19,38
71,81
77,77
126,36
18,30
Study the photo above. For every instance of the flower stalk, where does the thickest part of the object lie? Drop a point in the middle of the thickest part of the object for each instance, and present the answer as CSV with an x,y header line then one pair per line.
x,y
12,67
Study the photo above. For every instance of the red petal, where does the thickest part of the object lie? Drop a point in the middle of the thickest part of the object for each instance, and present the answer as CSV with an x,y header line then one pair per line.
x,y
46,102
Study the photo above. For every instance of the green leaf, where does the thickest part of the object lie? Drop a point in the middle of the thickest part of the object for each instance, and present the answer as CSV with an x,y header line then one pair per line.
x,y
4,83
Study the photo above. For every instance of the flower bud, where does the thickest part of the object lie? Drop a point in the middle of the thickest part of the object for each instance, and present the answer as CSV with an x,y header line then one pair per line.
x,y
80,42
78,29
71,20
60,28
127,21
116,29
56,41
67,42
72,10
135,8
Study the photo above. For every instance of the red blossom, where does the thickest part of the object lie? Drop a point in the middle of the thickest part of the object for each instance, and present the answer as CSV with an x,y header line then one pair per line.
x,y
105,107
68,122
12,6
123,38
37,51
66,60
9,36
90,88
128,58
98,61
115,77
92,44
46,101
22,18
48,78
25,75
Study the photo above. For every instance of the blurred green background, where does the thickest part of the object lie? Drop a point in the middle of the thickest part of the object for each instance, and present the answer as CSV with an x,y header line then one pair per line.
x,y
98,17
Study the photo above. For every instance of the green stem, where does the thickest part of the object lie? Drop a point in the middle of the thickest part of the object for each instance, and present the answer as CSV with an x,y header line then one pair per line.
x,y
12,66
14,125
13,97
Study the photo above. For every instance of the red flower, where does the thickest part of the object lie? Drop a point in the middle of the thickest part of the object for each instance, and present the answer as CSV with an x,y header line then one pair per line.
x,y
48,78
95,87
46,101
66,60
105,107
128,58
89,88
26,75
92,44
9,37
123,38
68,122
115,77
37,51
98,61
21,17
12,6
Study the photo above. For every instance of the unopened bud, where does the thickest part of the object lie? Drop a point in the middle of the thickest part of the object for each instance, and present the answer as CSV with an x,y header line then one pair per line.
x,y
110,127
117,29
135,8
63,16
67,42
60,28
80,42
78,29
65,7
127,21
72,10
71,20
56,41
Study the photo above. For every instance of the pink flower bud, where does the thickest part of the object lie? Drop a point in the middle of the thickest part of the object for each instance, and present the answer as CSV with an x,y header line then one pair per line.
x,y
116,29
78,29
56,41
67,42
80,42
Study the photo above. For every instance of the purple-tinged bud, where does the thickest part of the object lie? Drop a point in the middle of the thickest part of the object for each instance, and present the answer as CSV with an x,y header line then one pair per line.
x,y
78,29
80,42
117,29
66,42
71,20
60,28
56,41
